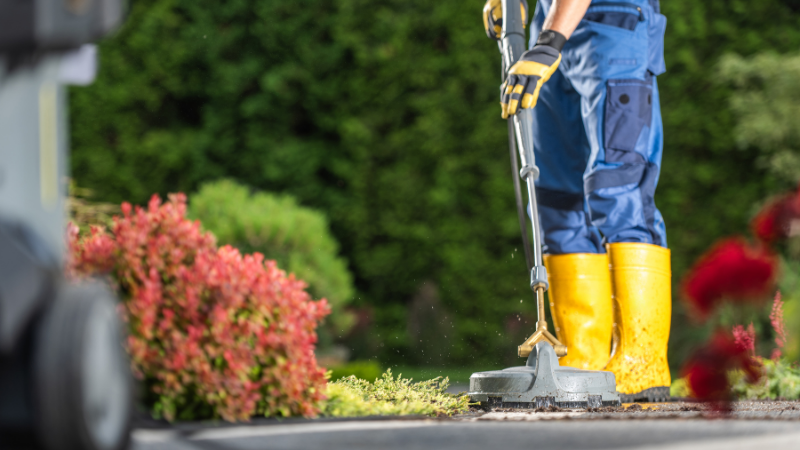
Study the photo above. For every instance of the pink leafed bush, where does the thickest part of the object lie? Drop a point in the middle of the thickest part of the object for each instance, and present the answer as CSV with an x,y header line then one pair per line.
x,y
212,332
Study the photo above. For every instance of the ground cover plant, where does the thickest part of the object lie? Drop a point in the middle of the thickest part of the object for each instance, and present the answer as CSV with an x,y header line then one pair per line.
x,y
780,380
387,395
212,333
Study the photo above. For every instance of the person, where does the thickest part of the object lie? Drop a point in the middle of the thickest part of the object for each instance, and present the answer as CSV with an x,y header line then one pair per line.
x,y
590,77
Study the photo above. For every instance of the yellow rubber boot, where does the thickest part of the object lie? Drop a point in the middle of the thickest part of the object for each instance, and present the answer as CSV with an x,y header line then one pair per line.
x,y
580,304
640,278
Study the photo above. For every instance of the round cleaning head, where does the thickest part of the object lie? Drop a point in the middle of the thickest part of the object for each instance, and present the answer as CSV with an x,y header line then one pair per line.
x,y
543,383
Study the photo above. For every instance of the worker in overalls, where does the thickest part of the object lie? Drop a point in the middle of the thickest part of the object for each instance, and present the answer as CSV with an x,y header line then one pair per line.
x,y
590,77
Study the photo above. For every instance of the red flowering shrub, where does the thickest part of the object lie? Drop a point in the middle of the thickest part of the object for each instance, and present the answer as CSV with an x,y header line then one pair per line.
x,y
706,372
210,329
731,270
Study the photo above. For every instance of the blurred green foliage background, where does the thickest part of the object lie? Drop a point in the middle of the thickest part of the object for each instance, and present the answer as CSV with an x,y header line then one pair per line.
x,y
384,115
766,103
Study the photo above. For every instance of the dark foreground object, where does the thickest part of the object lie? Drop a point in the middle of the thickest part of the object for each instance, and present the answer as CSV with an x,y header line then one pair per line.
x,y
542,383
69,388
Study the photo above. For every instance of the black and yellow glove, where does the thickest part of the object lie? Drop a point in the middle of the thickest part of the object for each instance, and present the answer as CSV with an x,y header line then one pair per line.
x,y
530,72
493,17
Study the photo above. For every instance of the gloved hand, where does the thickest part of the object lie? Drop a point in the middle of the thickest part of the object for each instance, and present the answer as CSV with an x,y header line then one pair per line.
x,y
493,17
526,77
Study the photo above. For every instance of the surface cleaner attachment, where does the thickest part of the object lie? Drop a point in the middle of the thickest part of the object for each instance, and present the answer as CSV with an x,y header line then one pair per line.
x,y
541,382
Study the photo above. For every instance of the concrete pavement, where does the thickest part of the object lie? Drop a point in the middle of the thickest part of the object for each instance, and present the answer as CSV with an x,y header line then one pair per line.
x,y
499,430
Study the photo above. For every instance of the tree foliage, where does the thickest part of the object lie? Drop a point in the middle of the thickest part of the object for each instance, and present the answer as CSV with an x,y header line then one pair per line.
x,y
385,116
766,102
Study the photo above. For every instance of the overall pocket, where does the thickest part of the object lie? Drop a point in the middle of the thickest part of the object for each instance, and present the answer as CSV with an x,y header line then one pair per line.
x,y
655,37
629,109
616,14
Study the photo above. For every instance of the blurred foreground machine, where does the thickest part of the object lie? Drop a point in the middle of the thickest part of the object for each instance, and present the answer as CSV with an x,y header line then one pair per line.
x,y
541,382
64,378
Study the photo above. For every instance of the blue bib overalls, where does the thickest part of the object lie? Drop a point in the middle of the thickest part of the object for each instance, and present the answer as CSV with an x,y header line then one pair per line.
x,y
597,130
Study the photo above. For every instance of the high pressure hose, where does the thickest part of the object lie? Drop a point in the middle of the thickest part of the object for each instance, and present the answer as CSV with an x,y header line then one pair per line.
x,y
523,226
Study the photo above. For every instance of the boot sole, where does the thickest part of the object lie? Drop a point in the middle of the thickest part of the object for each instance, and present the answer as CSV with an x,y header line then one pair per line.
x,y
650,395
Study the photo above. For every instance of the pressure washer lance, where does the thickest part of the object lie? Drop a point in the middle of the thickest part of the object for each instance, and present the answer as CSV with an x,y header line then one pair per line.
x,y
541,382
512,45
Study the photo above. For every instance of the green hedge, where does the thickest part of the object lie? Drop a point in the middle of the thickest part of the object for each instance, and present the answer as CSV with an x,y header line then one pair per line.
x,y
384,115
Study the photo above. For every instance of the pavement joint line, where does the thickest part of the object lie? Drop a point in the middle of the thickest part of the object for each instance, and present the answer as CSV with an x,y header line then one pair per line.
x,y
769,441
152,436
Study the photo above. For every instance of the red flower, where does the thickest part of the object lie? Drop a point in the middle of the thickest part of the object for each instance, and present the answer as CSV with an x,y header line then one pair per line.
x,y
732,270
778,219
766,225
707,371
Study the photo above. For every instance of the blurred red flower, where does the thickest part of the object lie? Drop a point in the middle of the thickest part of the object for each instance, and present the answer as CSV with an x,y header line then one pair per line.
x,y
765,224
707,371
778,219
732,270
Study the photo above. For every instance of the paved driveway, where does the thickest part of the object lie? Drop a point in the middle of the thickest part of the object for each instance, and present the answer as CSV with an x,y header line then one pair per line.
x,y
474,433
